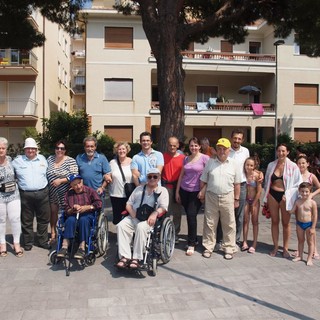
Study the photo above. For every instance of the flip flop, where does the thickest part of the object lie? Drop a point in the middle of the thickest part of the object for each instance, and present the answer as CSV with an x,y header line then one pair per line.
x,y
316,256
252,250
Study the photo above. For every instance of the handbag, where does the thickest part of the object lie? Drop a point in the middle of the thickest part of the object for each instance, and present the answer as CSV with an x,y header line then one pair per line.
x,y
144,210
128,186
8,186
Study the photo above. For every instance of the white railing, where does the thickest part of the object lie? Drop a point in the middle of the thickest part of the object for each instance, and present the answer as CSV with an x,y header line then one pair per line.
x,y
18,107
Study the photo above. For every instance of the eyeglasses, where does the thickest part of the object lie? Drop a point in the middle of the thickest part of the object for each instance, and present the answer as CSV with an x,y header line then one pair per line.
x,y
60,148
153,177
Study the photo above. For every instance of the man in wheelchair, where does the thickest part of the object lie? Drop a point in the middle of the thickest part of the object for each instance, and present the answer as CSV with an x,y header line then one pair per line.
x,y
151,199
80,204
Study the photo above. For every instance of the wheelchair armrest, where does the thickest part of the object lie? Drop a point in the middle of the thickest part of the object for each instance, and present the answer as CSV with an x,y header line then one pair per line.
x,y
162,214
124,213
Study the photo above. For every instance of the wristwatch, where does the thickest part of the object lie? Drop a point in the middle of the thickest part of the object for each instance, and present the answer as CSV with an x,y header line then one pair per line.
x,y
92,207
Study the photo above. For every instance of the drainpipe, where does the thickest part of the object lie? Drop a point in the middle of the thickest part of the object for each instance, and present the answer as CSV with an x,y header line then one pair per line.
x,y
43,74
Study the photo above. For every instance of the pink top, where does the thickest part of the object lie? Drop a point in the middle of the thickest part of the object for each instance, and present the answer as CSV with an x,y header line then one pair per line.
x,y
192,172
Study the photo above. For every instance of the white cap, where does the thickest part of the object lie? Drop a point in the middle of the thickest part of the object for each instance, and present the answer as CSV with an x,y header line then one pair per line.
x,y
30,143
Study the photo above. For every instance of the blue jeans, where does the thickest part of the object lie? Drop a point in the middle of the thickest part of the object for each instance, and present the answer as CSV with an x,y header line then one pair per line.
x,y
239,212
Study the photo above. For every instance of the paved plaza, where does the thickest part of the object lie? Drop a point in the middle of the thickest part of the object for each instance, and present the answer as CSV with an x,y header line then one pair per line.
x,y
251,286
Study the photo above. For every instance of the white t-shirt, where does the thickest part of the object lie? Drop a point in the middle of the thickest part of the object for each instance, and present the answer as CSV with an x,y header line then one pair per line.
x,y
240,156
116,188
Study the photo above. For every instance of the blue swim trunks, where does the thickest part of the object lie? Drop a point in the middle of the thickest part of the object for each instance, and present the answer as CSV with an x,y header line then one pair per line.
x,y
304,225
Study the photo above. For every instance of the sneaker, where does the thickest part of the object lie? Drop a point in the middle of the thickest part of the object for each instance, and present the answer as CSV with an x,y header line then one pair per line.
x,y
80,254
62,253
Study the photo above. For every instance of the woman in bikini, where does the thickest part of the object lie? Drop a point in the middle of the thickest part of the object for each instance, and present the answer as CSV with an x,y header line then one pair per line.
x,y
303,164
281,190
254,188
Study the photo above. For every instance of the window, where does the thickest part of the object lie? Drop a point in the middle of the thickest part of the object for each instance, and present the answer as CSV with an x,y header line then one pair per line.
x,y
119,133
118,89
305,135
306,94
226,46
254,47
206,92
118,38
298,48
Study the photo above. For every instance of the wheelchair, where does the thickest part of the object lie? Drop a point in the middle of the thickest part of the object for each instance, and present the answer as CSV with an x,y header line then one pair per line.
x,y
97,244
159,246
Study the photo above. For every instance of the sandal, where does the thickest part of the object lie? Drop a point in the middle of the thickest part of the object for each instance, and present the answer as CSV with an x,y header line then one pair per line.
x,y
206,253
316,256
3,253
190,251
19,254
123,263
252,250
134,264
244,248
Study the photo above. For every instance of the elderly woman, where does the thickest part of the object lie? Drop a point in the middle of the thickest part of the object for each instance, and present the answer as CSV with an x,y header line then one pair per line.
x,y
60,167
120,167
152,195
282,180
9,202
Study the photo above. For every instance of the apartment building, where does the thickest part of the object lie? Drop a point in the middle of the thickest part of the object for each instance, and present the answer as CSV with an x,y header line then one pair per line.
x,y
122,95
34,83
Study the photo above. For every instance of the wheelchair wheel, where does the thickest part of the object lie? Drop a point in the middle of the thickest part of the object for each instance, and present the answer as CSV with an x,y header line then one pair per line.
x,y
53,259
167,240
90,259
154,266
102,235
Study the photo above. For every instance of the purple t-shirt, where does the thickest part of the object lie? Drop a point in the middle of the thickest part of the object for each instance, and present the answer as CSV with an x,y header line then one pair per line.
x,y
192,172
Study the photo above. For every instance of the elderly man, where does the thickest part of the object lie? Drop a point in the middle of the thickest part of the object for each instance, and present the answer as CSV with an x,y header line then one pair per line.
x,y
84,201
156,197
173,163
146,159
220,186
94,167
31,173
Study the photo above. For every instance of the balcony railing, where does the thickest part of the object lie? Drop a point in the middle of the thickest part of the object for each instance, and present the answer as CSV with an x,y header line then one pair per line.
x,y
219,106
226,56
18,107
229,56
20,58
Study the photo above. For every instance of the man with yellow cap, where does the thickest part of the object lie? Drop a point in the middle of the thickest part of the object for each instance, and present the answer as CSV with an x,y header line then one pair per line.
x,y
220,187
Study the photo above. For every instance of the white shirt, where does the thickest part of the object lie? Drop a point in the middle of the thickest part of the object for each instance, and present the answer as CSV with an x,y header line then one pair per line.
x,y
240,156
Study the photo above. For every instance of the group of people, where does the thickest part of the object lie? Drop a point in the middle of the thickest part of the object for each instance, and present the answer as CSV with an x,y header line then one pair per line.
x,y
225,179
32,186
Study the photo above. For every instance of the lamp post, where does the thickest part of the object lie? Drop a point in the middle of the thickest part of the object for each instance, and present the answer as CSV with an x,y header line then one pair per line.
x,y
276,44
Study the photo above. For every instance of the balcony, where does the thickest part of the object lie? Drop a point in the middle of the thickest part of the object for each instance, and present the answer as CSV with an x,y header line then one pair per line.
x,y
226,58
221,108
79,53
18,62
13,108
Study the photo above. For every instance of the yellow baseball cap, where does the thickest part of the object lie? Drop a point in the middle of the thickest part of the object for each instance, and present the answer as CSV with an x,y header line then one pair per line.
x,y
224,142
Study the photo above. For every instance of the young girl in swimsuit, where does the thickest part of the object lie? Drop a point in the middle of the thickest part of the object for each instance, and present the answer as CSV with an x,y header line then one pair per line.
x,y
254,188
303,164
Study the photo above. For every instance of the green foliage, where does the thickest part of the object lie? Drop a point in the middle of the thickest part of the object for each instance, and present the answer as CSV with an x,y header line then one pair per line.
x,y
105,145
16,31
61,125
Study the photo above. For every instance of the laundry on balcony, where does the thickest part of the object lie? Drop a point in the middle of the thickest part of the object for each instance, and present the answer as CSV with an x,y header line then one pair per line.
x,y
212,102
257,109
201,106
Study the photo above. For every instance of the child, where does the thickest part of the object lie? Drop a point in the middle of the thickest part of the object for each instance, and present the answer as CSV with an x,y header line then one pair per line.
x,y
306,213
254,188
303,164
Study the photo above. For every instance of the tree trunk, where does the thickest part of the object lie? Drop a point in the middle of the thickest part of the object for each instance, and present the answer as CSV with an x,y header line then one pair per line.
x,y
171,97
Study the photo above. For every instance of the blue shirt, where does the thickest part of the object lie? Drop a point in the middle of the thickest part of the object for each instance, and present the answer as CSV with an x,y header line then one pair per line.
x,y
143,162
31,174
92,171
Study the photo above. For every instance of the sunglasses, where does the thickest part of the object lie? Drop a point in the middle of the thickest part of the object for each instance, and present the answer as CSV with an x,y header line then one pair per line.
x,y
153,177
60,148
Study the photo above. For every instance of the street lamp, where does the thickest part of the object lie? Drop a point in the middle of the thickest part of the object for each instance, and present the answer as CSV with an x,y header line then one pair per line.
x,y
276,44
